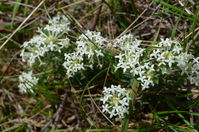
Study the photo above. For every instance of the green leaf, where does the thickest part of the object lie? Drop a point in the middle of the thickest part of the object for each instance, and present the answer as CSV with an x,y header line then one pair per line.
x,y
176,111
132,95
87,85
174,30
177,11
125,124
15,9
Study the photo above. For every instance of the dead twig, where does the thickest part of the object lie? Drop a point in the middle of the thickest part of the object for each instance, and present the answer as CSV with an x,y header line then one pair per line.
x,y
57,116
189,44
22,24
129,27
96,17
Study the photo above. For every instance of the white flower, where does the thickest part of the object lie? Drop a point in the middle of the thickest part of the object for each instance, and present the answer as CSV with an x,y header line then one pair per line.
x,y
127,42
57,25
50,38
184,62
129,60
90,44
55,31
146,74
194,75
130,52
115,101
33,49
53,41
171,58
166,52
27,81
73,63
123,41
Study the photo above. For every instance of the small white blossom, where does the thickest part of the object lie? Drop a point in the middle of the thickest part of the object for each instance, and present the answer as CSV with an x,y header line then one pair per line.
x,y
27,81
115,101
54,31
73,63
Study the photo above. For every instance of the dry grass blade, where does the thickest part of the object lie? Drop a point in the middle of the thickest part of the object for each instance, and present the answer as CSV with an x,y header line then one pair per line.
x,y
22,24
73,4
126,30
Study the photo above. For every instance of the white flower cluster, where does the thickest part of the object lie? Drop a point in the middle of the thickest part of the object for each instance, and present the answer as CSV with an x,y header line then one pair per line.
x,y
129,60
167,57
27,81
58,25
170,58
73,63
146,74
89,46
131,52
116,101
166,53
50,38
194,74
33,49
184,62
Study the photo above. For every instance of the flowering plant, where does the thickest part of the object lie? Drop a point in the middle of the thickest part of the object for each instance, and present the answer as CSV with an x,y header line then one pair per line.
x,y
53,49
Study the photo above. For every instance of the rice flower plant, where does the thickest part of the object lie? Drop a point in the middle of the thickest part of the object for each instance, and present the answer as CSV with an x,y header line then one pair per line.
x,y
115,101
88,50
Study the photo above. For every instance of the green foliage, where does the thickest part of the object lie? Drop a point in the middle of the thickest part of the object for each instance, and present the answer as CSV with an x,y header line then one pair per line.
x,y
177,11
